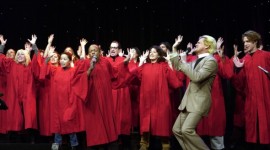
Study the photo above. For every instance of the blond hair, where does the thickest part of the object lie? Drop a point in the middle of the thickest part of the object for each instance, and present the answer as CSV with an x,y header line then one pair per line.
x,y
26,54
210,42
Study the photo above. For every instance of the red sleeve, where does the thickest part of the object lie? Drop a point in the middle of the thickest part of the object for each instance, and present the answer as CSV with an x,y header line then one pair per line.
x,y
79,82
181,76
35,67
225,67
121,76
238,80
191,58
172,78
5,63
40,59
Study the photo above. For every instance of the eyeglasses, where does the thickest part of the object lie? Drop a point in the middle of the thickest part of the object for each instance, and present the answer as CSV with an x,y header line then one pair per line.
x,y
113,47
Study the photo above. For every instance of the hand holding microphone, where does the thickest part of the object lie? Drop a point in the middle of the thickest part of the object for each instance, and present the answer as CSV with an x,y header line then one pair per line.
x,y
94,59
93,62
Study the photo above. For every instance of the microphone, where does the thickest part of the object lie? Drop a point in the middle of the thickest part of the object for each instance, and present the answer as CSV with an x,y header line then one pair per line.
x,y
188,50
94,59
93,62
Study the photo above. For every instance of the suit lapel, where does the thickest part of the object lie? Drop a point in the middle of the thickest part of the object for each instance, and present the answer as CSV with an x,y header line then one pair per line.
x,y
200,63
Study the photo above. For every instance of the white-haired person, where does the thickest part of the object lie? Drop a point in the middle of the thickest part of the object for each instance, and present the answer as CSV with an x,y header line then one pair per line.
x,y
197,99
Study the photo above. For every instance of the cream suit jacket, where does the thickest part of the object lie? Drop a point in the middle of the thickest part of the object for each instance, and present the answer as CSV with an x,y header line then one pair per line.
x,y
197,97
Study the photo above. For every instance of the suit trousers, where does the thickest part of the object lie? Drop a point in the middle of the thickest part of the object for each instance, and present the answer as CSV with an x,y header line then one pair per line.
x,y
184,131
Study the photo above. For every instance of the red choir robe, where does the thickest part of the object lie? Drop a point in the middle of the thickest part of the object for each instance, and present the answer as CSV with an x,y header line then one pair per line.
x,y
69,89
121,103
44,102
239,108
176,96
20,93
134,89
257,103
99,111
3,113
155,104
215,123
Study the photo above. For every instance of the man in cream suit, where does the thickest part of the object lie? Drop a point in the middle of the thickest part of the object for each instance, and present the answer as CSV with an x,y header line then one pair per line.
x,y
197,99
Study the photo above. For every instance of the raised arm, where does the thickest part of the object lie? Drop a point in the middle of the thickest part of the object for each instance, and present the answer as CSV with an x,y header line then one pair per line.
x,y
50,54
209,67
33,42
143,57
3,43
177,42
83,42
168,60
50,40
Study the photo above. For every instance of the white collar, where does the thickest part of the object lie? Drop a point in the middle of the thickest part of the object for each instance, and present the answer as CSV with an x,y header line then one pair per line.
x,y
203,55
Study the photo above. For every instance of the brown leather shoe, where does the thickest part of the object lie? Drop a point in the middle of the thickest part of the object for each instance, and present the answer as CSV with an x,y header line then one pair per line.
x,y
143,147
165,146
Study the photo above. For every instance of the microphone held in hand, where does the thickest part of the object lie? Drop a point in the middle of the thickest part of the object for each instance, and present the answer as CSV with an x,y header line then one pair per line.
x,y
94,59
93,62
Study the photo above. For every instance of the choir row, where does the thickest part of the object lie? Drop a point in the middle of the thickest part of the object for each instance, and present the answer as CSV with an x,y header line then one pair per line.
x,y
106,96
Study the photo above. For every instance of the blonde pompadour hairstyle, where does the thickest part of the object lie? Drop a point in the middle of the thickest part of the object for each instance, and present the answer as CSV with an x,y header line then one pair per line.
x,y
211,42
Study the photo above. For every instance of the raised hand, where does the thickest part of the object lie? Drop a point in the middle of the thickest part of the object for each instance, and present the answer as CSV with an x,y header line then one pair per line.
x,y
178,40
93,62
51,51
219,43
237,62
167,57
190,45
121,53
128,56
3,41
50,38
83,42
189,48
221,51
143,57
33,39
236,52
183,56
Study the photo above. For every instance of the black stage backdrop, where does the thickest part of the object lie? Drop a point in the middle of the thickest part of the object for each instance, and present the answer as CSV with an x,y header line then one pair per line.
x,y
140,23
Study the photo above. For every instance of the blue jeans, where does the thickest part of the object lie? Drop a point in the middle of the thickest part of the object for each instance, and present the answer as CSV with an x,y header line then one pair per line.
x,y
72,138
